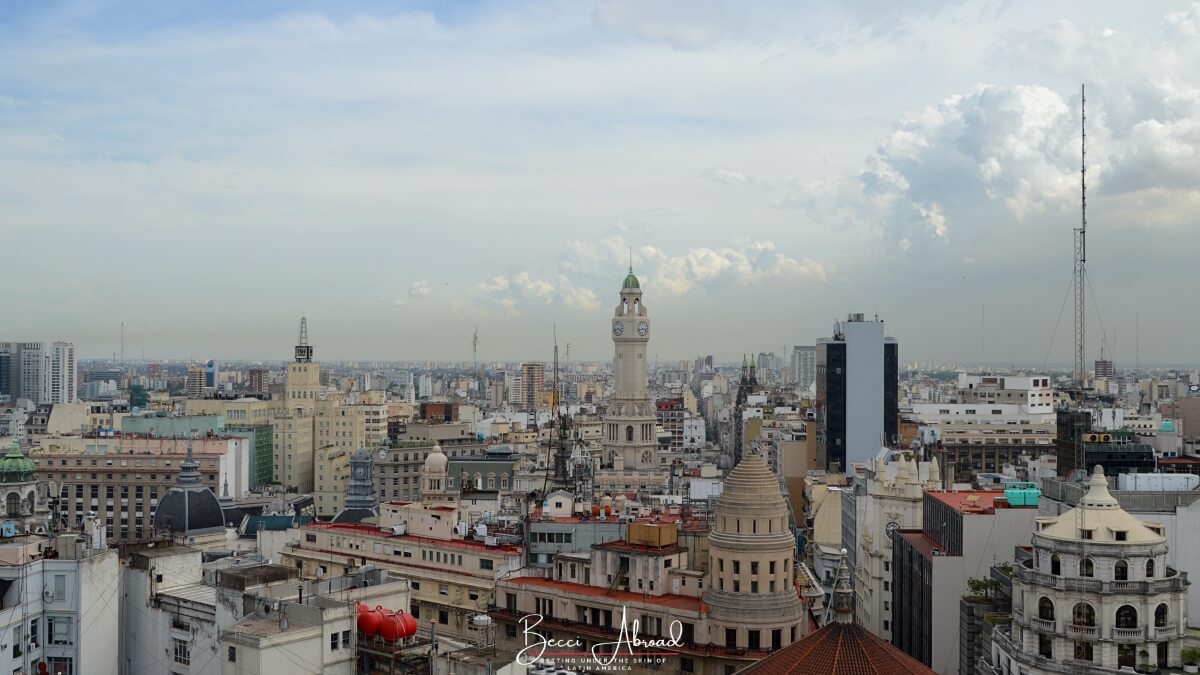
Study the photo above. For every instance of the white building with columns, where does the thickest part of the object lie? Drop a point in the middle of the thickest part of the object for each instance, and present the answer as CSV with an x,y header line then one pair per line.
x,y
1097,596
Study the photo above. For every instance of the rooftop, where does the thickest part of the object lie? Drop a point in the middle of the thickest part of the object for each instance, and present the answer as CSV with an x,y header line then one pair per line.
x,y
975,502
617,597
839,649
375,531
918,540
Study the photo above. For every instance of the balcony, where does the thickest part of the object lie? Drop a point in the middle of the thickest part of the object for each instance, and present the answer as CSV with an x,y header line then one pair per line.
x,y
1128,634
1165,631
1082,632
1174,581
1043,625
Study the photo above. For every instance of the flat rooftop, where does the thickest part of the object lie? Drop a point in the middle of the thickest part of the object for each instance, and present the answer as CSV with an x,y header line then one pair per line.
x,y
973,502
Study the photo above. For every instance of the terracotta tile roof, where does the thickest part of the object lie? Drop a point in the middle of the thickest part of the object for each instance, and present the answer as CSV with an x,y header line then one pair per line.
x,y
839,649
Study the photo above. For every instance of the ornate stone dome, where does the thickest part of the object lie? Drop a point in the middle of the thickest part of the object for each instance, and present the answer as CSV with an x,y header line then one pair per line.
x,y
189,508
15,467
436,461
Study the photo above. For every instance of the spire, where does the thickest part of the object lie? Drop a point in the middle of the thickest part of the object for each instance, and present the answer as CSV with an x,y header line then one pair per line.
x,y
843,594
1098,496
189,470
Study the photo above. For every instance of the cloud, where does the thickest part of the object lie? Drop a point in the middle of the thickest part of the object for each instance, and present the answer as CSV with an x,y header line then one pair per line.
x,y
699,266
419,289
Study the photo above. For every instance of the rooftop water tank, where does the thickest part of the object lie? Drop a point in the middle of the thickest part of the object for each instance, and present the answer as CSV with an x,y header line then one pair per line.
x,y
1021,494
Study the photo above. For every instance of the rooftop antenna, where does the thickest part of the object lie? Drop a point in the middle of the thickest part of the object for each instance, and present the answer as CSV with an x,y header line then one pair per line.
x,y
1081,244
631,258
475,347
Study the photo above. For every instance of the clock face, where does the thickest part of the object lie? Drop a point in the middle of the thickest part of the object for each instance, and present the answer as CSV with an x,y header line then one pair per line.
x,y
891,529
360,472
618,328
382,454
643,328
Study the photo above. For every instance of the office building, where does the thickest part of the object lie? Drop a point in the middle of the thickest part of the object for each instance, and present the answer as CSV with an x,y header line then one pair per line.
x,y
804,366
857,392
193,385
963,533
40,372
260,380
212,374
533,380
991,422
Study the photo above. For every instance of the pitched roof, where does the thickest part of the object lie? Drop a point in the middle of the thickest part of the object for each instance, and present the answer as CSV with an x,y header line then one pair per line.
x,y
839,649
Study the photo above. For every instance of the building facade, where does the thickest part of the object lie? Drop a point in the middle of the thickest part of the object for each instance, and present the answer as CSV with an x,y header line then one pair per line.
x,y
857,392
1096,595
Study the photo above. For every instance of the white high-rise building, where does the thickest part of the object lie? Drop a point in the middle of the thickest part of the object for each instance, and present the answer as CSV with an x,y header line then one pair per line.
x,y
64,377
40,372
425,386
804,366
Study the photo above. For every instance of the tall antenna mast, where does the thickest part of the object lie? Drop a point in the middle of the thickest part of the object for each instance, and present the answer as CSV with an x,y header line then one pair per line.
x,y
122,343
1081,245
475,347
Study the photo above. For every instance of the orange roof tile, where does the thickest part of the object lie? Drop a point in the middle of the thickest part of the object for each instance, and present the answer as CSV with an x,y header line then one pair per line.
x,y
839,649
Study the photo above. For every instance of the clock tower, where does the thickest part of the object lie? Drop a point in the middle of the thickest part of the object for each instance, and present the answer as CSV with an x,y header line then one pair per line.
x,y
630,441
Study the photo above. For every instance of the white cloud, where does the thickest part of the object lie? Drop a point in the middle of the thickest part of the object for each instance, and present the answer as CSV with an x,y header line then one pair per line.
x,y
419,289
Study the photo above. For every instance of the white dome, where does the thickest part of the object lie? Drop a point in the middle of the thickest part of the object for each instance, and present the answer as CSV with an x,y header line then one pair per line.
x,y
436,461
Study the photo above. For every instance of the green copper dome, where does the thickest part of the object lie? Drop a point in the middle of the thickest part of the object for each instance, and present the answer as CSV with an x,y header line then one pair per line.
x,y
15,467
631,282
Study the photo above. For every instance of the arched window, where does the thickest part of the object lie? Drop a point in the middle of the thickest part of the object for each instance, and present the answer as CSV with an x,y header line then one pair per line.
x,y
1162,614
1083,615
1121,571
13,504
1086,568
629,433
1055,565
1127,616
1046,609
1150,569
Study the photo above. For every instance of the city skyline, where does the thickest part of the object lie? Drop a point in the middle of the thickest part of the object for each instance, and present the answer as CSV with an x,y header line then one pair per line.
x,y
400,175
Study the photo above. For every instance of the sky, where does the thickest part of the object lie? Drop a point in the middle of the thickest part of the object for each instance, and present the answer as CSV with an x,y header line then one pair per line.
x,y
399,173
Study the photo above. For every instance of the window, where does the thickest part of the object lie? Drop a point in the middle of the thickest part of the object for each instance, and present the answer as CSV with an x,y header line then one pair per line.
x,y
33,632
232,655
1086,568
443,617
1149,569
61,665
59,628
1046,609
443,589
685,665
1161,615
60,587
1046,646
1055,565
486,564
1121,571
17,642
310,537
333,641
183,652
731,638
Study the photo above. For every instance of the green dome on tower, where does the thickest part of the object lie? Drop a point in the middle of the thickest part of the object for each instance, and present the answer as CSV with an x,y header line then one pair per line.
x,y
630,281
15,467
